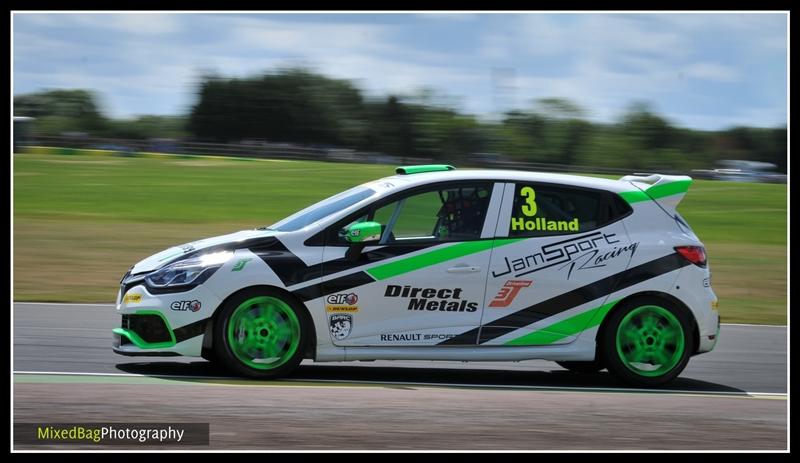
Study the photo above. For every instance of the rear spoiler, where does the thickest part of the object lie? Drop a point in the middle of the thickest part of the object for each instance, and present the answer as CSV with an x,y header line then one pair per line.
x,y
666,190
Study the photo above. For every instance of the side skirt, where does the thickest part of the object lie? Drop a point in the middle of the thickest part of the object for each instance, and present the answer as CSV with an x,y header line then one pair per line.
x,y
582,348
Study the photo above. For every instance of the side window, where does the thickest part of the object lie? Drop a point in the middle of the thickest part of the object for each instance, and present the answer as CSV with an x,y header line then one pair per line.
x,y
541,210
445,214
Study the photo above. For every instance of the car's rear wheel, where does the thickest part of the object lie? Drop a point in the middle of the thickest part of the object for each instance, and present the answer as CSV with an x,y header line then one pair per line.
x,y
647,342
261,333
592,366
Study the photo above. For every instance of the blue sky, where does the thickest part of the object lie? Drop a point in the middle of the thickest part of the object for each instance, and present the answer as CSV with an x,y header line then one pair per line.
x,y
705,71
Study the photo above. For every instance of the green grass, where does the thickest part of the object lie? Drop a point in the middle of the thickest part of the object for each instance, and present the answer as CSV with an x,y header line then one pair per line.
x,y
81,221
192,190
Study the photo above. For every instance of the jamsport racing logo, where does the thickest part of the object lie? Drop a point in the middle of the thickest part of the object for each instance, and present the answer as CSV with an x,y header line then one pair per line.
x,y
580,253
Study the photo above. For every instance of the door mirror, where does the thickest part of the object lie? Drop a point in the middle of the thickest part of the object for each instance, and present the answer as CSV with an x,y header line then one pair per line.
x,y
362,232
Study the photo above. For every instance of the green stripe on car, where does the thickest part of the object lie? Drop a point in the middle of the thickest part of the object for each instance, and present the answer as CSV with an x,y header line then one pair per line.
x,y
634,196
437,256
669,189
565,328
141,343
657,191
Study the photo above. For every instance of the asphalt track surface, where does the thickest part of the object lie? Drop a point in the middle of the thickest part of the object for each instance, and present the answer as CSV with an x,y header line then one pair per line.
x,y
733,398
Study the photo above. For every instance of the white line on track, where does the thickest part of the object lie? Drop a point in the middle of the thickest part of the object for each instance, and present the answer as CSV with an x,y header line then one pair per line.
x,y
753,324
63,303
37,328
132,375
400,383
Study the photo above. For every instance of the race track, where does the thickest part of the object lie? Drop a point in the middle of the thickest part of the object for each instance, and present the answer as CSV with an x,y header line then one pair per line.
x,y
732,398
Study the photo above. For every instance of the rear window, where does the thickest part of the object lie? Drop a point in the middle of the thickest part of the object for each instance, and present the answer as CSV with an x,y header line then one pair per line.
x,y
543,210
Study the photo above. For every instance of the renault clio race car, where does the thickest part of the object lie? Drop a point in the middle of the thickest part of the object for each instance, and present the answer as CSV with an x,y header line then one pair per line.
x,y
435,263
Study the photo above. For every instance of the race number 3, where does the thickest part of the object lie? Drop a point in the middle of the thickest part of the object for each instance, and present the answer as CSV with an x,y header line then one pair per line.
x,y
529,208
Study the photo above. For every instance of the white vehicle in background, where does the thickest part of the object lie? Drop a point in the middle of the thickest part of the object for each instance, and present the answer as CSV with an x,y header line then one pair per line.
x,y
748,171
441,264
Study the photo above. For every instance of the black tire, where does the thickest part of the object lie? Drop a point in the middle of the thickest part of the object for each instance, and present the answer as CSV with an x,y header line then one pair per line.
x,y
589,366
210,355
652,327
208,352
254,332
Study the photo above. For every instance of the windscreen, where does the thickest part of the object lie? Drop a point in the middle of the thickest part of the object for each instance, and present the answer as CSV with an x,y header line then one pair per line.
x,y
323,209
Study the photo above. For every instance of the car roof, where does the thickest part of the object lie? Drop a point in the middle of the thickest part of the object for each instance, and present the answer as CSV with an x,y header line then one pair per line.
x,y
411,180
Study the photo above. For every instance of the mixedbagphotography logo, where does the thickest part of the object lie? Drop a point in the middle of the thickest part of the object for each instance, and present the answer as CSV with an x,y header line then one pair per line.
x,y
111,433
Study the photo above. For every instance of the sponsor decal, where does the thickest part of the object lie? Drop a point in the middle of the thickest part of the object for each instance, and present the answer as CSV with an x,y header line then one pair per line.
x,y
707,282
341,324
542,224
183,306
343,298
240,265
593,258
531,223
342,308
432,299
344,302
132,299
406,337
508,292
586,247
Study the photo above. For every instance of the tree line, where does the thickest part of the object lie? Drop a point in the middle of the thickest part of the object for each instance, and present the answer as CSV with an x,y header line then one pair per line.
x,y
302,107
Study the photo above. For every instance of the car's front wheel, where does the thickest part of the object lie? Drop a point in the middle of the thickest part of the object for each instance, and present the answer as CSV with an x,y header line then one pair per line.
x,y
261,333
647,342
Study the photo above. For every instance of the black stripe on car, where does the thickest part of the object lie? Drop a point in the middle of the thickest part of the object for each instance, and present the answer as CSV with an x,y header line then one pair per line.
x,y
571,299
292,270
189,331
335,285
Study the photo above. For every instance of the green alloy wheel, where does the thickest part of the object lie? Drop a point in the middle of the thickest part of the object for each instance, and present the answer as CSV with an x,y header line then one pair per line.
x,y
261,334
650,340
648,343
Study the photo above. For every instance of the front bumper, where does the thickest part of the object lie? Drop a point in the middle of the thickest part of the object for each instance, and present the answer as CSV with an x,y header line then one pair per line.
x,y
162,324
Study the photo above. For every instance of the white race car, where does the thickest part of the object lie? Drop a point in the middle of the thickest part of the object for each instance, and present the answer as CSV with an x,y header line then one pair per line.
x,y
435,263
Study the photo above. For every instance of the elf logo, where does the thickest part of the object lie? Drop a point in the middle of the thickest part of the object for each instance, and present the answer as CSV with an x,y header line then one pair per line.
x,y
183,306
508,292
344,298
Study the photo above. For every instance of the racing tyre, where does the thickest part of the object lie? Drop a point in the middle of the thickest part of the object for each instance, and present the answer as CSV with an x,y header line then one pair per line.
x,y
261,333
647,342
591,366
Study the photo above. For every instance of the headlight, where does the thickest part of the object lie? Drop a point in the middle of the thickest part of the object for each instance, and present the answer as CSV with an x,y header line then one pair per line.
x,y
194,270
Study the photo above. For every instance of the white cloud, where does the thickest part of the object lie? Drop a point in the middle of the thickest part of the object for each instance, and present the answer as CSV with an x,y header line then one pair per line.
x,y
131,23
711,71
146,24
452,17
594,34
308,37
